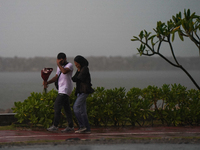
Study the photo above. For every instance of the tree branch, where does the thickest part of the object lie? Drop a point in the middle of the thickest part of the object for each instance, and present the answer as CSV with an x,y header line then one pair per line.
x,y
172,50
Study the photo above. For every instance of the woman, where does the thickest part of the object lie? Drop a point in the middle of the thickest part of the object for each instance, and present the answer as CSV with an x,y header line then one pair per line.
x,y
83,89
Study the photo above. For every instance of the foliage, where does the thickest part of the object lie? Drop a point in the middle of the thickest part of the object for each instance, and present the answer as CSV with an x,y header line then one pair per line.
x,y
194,107
170,105
36,109
134,100
106,106
189,26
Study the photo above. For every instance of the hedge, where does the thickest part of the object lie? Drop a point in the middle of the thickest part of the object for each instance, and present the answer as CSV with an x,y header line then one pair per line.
x,y
171,105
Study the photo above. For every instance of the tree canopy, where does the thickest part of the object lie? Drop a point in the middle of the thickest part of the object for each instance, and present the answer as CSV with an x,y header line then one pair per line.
x,y
186,27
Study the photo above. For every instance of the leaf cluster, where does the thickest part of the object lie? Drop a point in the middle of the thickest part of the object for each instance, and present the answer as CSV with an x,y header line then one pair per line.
x,y
170,105
36,109
189,26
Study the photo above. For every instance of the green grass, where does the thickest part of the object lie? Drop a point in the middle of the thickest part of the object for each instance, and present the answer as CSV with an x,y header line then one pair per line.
x,y
11,127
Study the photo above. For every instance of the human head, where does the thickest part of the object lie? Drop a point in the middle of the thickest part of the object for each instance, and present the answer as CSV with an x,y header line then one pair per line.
x,y
81,60
61,56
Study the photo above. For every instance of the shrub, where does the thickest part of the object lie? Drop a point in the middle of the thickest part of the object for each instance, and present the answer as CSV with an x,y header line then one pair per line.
x,y
36,109
170,104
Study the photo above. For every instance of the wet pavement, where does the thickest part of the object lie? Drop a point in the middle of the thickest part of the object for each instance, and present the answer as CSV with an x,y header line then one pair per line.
x,y
103,134
157,146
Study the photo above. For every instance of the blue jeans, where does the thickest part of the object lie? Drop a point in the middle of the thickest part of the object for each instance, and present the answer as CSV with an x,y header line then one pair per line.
x,y
80,111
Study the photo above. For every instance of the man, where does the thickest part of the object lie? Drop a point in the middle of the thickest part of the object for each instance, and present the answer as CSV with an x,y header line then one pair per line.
x,y
65,87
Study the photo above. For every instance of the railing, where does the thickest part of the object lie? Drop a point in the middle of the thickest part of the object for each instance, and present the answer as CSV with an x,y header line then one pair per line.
x,y
7,118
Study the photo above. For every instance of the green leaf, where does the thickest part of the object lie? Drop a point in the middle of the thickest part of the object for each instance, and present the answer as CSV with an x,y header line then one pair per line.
x,y
174,18
141,35
173,36
151,37
133,40
180,35
152,43
188,13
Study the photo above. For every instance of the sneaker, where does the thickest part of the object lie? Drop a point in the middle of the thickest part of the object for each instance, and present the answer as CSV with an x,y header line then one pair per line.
x,y
86,132
81,130
52,128
68,129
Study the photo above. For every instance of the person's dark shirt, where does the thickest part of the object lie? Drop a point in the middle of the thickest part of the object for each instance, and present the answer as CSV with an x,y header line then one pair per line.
x,y
83,81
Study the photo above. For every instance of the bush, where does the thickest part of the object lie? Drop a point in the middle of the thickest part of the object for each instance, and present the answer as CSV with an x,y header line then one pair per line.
x,y
36,109
170,105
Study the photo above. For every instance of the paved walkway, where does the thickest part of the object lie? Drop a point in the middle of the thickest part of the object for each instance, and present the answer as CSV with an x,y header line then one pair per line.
x,y
12,136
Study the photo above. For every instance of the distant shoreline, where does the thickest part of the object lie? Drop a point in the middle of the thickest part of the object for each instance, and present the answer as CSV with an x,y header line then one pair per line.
x,y
103,63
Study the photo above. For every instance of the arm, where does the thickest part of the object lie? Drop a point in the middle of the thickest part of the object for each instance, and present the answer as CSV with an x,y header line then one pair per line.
x,y
52,80
63,70
74,78
83,75
45,83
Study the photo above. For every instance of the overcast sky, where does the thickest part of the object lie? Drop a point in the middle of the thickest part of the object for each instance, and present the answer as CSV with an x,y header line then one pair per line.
x,y
30,28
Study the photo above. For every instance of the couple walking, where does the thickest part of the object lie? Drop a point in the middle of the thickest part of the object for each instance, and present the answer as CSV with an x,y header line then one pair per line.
x,y
65,87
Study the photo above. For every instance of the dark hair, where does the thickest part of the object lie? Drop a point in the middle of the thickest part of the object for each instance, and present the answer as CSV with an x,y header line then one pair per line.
x,y
81,60
61,56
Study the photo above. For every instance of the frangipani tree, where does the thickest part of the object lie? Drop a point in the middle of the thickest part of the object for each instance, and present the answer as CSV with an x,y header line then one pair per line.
x,y
187,27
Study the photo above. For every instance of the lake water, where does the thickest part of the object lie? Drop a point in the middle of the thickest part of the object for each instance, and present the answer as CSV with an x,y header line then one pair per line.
x,y
17,86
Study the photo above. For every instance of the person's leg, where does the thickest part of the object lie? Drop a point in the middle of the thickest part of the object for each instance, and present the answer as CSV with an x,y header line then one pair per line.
x,y
57,109
84,112
68,112
77,111
80,111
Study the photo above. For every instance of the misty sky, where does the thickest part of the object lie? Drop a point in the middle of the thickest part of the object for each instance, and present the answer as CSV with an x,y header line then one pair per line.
x,y
30,28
